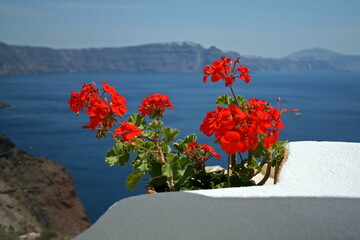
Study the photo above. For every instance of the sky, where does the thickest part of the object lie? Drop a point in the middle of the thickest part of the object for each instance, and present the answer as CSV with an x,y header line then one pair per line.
x,y
267,28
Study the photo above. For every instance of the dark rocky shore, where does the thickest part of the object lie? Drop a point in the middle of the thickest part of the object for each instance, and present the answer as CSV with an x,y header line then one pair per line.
x,y
37,195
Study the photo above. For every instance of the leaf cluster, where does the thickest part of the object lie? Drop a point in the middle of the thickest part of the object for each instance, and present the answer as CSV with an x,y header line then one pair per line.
x,y
158,156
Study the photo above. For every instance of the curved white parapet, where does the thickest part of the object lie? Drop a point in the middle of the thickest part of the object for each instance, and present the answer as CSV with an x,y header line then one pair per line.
x,y
317,197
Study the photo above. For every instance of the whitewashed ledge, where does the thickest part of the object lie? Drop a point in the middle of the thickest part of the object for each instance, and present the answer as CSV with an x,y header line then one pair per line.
x,y
317,197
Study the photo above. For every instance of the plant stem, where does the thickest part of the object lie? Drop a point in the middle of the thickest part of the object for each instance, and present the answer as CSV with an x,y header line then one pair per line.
x,y
261,165
268,169
171,183
241,158
251,173
148,150
228,169
276,175
234,96
170,180
233,161
160,152
149,179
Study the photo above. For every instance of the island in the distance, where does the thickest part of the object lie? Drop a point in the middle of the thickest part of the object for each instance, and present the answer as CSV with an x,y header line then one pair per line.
x,y
175,57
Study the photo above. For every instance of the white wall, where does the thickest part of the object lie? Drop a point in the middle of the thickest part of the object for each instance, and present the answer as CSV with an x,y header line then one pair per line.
x,y
317,197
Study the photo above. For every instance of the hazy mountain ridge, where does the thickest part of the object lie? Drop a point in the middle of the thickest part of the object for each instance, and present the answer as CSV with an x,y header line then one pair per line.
x,y
176,57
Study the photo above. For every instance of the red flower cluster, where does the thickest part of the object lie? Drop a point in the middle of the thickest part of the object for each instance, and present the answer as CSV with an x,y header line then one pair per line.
x,y
127,131
240,129
225,70
81,100
101,111
154,105
200,153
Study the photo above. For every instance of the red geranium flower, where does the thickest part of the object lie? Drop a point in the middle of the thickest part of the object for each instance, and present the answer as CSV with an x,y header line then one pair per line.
x,y
98,110
199,154
232,143
240,129
226,70
79,101
244,73
210,149
154,105
101,112
127,131
108,89
118,102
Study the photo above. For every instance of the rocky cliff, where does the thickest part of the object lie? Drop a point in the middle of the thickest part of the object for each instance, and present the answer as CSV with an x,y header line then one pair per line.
x,y
3,104
177,57
37,194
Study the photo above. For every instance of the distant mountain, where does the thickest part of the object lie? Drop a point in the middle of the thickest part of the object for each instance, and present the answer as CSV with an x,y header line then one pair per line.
x,y
335,61
176,57
317,53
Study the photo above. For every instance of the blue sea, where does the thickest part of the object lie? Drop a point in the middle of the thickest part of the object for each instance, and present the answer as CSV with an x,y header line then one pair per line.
x,y
39,120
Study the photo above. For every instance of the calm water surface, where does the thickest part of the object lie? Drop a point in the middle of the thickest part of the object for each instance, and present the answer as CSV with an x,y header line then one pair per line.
x,y
39,120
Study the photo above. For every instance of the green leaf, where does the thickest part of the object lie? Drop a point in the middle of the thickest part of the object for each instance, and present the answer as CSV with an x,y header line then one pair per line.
x,y
172,166
147,133
133,179
190,138
224,100
189,172
117,155
260,151
237,181
145,146
179,146
155,172
184,160
141,161
254,165
169,134
240,99
279,150
143,158
156,124
138,121
228,100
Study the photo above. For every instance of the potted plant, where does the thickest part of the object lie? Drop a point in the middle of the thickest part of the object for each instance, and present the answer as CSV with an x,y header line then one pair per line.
x,y
170,164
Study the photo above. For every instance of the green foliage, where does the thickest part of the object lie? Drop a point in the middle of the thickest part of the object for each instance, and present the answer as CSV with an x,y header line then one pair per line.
x,y
190,138
138,121
260,151
172,165
228,100
279,149
224,100
158,154
200,179
133,179
185,176
117,155
169,135
241,100
240,181
254,165
156,124
180,145
175,164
